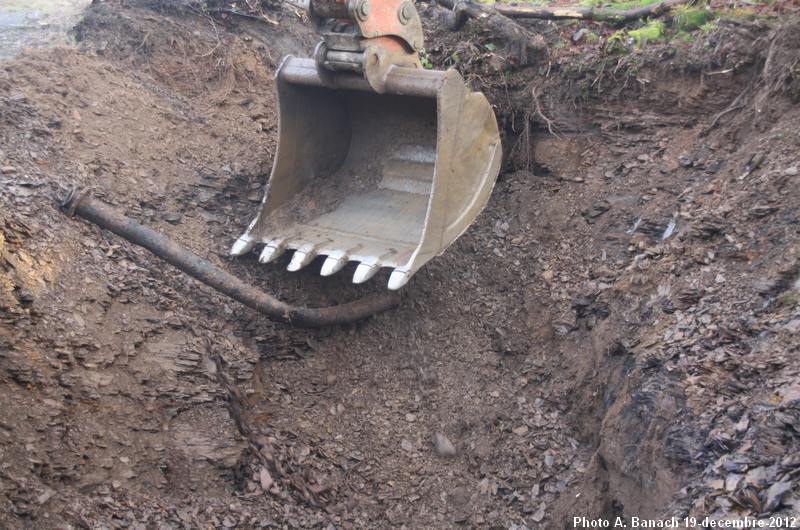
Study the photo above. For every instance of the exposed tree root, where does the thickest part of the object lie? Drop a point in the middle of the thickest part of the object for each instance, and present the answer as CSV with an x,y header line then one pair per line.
x,y
780,67
538,109
587,13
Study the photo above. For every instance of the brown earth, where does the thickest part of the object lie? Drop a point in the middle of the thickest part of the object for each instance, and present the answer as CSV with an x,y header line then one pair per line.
x,y
615,336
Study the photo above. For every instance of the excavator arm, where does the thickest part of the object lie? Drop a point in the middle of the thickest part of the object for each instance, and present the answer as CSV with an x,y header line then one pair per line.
x,y
367,37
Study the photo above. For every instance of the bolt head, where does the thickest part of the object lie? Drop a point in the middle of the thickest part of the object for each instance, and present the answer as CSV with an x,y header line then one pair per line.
x,y
405,13
363,10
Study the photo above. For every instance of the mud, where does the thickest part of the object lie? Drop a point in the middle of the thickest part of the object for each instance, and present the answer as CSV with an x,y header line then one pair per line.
x,y
615,336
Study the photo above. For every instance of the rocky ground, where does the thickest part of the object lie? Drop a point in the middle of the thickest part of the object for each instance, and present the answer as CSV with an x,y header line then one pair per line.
x,y
617,335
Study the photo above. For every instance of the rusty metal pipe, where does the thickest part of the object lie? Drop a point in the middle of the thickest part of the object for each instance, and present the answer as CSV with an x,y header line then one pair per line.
x,y
81,203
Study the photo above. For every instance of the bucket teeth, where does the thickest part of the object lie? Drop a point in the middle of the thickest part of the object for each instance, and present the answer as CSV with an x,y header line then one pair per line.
x,y
242,245
272,251
302,257
333,263
365,271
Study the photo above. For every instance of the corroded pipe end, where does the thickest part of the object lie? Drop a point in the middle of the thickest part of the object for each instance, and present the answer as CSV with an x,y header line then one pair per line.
x,y
73,199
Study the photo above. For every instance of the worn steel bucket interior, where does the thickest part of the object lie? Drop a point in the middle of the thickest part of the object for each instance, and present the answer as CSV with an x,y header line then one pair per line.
x,y
387,180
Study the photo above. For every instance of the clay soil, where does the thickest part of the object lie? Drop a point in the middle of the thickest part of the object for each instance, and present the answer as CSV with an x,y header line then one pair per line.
x,y
616,336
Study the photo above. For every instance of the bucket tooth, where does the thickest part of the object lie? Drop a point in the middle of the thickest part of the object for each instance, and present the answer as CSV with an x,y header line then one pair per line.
x,y
242,245
398,279
302,257
272,251
365,271
334,263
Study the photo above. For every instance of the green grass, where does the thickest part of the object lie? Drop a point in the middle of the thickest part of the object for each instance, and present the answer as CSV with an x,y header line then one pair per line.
x,y
691,18
708,26
425,60
651,32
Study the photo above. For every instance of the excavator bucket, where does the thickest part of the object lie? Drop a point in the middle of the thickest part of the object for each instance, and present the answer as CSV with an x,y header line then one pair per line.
x,y
386,180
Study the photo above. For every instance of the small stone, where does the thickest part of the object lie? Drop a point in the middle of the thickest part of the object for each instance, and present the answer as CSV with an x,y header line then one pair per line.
x,y
444,447
579,35
407,445
742,425
775,495
756,476
459,496
265,479
46,496
597,209
8,170
172,218
25,297
790,171
756,160
732,481
519,431
791,392
410,418
539,515
549,460
548,275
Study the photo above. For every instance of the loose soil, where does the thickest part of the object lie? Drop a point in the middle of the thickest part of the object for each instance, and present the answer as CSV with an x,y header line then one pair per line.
x,y
615,336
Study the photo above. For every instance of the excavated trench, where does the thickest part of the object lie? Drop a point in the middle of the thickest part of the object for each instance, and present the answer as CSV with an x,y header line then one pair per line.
x,y
573,355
